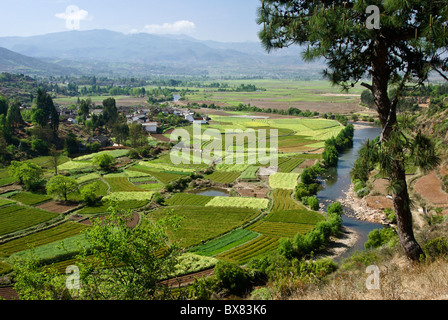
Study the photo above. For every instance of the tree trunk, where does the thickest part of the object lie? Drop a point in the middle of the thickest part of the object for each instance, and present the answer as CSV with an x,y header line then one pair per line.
x,y
404,215
388,117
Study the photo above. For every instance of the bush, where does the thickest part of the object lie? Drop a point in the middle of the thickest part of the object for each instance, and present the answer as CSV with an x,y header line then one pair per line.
x,y
436,247
363,192
232,277
313,202
88,194
380,237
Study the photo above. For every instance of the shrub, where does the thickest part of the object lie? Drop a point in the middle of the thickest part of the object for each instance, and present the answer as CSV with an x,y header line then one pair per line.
x,y
363,192
232,277
313,202
88,194
380,237
436,247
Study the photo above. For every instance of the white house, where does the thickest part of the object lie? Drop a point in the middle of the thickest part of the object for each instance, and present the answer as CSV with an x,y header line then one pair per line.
x,y
150,127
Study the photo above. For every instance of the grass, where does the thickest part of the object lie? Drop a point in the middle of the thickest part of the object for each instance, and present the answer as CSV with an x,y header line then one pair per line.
x,y
225,243
15,218
282,180
5,177
234,202
203,223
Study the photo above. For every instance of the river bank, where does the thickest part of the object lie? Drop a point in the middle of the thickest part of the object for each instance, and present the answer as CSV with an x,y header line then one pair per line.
x,y
360,210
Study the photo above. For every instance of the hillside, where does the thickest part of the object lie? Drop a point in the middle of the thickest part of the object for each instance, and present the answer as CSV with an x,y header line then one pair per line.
x,y
113,52
13,62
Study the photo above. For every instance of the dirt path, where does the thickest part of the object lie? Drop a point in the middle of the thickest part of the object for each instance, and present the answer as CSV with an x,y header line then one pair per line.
x,y
187,279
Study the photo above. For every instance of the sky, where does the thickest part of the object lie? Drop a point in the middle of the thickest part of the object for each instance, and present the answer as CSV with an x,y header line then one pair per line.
x,y
218,20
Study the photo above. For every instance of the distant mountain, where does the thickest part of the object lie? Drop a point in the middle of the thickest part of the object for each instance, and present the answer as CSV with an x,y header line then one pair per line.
x,y
13,62
103,49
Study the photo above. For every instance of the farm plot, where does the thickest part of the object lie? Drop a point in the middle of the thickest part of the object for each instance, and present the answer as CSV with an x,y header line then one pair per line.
x,y
58,250
129,196
187,199
65,230
282,180
223,177
234,202
250,173
14,218
122,184
29,198
283,201
225,243
280,229
287,164
75,165
163,177
203,223
257,247
114,153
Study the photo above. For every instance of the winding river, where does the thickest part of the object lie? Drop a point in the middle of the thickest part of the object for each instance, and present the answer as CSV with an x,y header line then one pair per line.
x,y
337,182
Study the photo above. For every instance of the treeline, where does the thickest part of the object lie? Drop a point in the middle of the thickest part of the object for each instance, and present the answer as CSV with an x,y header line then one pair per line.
x,y
335,145
291,111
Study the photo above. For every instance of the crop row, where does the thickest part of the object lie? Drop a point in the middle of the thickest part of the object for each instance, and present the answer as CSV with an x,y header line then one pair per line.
x,y
301,216
14,218
281,229
187,199
250,173
251,203
225,243
289,164
283,201
29,198
163,177
223,177
281,180
120,184
256,247
60,232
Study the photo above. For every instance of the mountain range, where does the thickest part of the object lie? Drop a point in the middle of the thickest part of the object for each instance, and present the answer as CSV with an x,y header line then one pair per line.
x,y
109,52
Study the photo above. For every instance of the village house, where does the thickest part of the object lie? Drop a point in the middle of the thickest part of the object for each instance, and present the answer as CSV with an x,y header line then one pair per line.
x,y
150,127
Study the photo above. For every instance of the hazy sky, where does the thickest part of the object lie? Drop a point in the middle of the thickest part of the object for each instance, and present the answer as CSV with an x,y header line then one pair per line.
x,y
219,20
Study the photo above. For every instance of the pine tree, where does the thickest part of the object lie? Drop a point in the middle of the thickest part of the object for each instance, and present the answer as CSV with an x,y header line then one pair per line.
x,y
405,47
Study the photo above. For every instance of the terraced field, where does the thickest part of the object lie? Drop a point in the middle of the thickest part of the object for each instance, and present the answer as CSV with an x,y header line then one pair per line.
x,y
15,218
187,199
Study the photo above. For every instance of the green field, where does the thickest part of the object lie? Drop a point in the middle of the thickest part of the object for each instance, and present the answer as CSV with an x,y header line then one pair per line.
x,y
204,223
187,199
29,198
15,218
256,247
65,230
233,202
122,184
223,177
282,180
225,243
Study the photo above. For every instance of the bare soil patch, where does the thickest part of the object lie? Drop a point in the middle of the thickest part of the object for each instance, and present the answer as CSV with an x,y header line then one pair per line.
x,y
132,224
8,293
381,185
57,207
379,202
307,163
429,187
